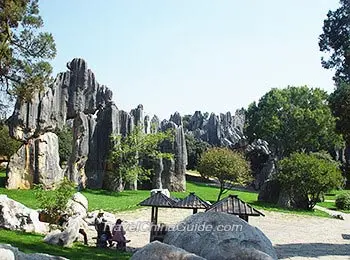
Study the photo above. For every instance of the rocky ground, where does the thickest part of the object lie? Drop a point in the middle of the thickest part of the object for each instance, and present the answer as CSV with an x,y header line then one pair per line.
x,y
293,236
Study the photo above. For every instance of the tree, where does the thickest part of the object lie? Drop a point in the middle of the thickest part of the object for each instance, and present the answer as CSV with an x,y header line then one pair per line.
x,y
24,49
336,41
8,145
54,202
65,141
227,166
293,119
195,148
308,176
128,151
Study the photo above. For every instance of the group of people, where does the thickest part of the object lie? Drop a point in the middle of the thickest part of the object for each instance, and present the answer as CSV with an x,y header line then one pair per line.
x,y
106,236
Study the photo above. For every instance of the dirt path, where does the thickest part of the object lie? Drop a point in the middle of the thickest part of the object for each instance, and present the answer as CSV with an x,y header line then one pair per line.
x,y
293,236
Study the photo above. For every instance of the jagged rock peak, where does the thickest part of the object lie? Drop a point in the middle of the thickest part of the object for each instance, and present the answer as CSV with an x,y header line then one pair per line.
x,y
176,118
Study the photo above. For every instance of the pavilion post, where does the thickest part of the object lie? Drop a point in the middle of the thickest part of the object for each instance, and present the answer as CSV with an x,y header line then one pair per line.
x,y
156,216
195,211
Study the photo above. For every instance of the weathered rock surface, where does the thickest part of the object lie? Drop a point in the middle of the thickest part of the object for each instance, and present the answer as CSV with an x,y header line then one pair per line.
x,y
16,216
173,171
8,252
36,161
78,205
223,130
243,241
159,251
69,235
75,94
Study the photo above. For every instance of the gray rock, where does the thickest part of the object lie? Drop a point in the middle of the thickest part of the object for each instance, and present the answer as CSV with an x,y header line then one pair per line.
x,y
174,170
8,252
159,251
37,161
243,241
16,216
77,205
68,236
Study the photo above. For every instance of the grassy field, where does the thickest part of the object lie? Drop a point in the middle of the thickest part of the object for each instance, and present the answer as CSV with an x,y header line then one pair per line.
x,y
332,196
33,244
128,200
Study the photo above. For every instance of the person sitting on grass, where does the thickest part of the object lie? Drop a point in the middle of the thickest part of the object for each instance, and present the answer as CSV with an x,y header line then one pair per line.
x,y
118,235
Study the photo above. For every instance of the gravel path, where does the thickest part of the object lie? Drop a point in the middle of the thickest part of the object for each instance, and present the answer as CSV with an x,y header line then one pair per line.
x,y
293,236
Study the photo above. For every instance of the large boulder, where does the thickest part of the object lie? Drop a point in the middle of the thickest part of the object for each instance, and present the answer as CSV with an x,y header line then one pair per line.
x,y
78,205
159,251
69,235
36,161
8,252
16,216
240,241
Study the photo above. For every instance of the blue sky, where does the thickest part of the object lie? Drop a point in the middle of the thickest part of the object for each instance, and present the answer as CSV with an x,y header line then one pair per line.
x,y
188,55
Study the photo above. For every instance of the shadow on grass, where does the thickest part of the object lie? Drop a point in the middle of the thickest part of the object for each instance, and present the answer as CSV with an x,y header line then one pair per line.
x,y
32,243
312,250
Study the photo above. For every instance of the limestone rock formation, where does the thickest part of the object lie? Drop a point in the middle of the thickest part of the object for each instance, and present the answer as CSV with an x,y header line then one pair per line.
x,y
159,251
36,161
16,216
76,95
8,252
223,130
243,241
77,205
70,233
172,172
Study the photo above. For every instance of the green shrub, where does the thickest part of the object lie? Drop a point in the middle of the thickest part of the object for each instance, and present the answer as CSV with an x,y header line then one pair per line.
x,y
54,202
342,201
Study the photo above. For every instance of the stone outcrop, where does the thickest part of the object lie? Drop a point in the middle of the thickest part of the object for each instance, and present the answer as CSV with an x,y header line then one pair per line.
x,y
75,94
242,241
16,216
159,251
78,205
69,235
218,130
36,161
171,173
8,252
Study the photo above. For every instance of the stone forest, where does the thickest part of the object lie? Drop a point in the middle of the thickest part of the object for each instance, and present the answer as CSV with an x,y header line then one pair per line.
x,y
86,173
76,95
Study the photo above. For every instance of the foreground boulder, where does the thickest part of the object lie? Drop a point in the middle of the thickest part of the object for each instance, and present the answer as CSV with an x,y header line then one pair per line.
x,y
159,251
69,235
78,205
16,216
8,252
240,241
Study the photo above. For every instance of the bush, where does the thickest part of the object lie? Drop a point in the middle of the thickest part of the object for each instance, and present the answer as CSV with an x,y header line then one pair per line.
x,y
306,176
227,166
54,202
343,201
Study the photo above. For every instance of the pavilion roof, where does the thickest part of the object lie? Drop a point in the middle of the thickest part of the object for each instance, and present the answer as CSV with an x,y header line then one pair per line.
x,y
192,201
158,200
233,205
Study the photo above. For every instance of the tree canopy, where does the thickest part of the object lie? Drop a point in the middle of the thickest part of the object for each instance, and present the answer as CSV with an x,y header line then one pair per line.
x,y
335,40
24,49
227,166
309,175
293,119
8,145
129,150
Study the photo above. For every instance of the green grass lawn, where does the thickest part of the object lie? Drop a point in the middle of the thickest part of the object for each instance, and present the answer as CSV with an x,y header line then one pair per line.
x,y
33,243
332,196
128,200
